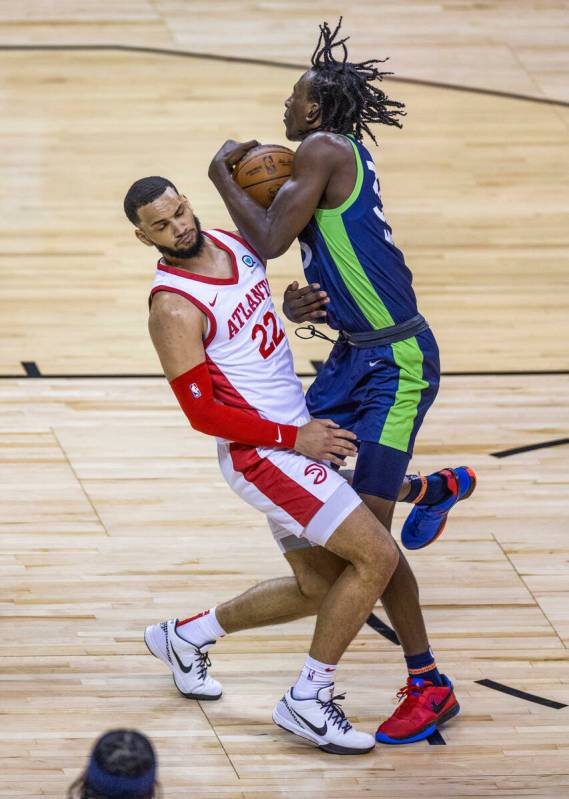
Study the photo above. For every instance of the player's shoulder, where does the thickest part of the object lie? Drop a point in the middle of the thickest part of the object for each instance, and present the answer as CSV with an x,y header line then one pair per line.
x,y
324,144
168,307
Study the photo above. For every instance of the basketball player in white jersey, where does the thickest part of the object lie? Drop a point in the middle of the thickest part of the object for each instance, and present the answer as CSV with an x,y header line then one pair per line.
x,y
226,356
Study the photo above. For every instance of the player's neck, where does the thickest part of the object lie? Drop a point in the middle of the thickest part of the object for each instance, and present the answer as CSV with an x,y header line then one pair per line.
x,y
210,262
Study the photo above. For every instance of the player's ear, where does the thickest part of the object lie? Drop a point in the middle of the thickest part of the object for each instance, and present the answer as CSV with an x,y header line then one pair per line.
x,y
313,113
141,236
187,203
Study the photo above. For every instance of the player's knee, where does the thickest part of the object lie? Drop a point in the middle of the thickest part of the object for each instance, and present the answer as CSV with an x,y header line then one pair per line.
x,y
378,559
312,586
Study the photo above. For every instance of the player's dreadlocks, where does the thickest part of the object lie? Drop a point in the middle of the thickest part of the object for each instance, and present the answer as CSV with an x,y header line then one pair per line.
x,y
347,97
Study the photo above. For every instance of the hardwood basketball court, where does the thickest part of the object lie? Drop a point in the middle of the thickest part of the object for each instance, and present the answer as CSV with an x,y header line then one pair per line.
x,y
114,513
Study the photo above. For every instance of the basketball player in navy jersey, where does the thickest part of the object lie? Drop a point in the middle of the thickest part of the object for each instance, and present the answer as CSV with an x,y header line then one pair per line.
x,y
383,372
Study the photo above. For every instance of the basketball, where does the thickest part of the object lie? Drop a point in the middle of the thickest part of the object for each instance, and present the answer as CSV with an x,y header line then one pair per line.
x,y
263,170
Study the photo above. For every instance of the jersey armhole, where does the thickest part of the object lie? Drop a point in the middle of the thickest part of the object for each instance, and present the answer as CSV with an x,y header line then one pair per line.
x,y
211,323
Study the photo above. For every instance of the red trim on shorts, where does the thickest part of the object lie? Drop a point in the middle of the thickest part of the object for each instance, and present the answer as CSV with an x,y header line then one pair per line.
x,y
282,490
212,323
244,242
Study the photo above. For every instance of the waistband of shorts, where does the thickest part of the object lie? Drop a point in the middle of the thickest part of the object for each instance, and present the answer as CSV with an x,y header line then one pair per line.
x,y
387,335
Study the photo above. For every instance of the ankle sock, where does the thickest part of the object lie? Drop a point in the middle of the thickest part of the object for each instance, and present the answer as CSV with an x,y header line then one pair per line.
x,y
200,629
436,489
423,666
314,676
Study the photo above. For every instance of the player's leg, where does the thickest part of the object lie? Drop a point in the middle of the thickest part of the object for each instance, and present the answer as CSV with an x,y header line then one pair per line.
x,y
401,597
436,494
386,394
284,599
371,558
383,458
275,601
361,556
183,644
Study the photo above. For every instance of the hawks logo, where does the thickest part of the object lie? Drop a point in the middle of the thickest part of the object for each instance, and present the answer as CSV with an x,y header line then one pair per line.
x,y
317,472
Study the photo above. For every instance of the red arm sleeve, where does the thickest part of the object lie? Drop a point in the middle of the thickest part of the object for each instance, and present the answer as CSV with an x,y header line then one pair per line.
x,y
194,392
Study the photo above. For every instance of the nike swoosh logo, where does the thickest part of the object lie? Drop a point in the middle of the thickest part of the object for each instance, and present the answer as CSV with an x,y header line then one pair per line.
x,y
318,730
374,363
214,301
185,669
279,438
439,707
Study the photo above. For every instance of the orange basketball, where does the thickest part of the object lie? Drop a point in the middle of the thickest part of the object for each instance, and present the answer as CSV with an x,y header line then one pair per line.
x,y
263,170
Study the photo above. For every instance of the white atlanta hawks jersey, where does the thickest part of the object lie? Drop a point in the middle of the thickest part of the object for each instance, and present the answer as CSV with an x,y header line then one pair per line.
x,y
247,351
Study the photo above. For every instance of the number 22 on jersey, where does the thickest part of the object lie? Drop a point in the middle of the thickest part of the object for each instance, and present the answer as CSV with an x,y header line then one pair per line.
x,y
269,334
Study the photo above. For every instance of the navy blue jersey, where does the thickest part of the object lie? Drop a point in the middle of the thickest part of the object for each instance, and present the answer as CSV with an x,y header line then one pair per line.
x,y
350,252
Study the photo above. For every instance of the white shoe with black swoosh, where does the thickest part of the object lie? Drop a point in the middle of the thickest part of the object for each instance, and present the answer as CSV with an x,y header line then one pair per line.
x,y
188,663
323,722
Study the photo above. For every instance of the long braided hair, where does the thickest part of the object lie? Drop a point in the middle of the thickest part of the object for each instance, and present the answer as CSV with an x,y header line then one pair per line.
x,y
348,100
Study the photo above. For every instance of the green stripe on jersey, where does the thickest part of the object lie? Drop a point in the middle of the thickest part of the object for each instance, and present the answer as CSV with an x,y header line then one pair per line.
x,y
334,233
401,417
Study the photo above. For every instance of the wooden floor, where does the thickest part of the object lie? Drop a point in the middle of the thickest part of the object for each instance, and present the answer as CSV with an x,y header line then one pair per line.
x,y
113,511
114,515
473,186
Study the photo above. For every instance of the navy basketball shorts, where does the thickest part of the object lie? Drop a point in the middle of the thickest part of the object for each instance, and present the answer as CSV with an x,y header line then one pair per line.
x,y
381,394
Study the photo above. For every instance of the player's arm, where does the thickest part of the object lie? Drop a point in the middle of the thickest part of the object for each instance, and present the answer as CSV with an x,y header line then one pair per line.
x,y
271,231
177,328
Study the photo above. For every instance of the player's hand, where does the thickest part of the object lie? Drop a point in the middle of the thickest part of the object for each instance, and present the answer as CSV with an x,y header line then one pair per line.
x,y
229,154
324,440
305,304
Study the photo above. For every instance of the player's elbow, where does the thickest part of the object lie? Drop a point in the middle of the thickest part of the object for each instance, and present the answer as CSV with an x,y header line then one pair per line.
x,y
275,248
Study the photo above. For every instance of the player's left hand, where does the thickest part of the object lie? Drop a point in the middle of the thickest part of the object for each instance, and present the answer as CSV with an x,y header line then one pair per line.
x,y
229,154
306,304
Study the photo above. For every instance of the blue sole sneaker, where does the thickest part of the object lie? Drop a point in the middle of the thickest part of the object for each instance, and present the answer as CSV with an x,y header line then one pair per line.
x,y
426,523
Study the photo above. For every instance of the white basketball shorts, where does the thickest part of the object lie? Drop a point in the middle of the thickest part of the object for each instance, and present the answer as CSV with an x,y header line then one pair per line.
x,y
304,501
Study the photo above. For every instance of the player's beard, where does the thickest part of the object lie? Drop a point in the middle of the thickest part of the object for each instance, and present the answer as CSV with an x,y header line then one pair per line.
x,y
188,252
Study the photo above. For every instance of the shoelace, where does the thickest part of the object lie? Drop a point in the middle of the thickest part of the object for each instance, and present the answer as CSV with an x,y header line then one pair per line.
x,y
204,663
409,690
335,714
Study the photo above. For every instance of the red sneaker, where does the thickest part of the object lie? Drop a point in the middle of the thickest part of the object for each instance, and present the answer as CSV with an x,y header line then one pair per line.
x,y
425,707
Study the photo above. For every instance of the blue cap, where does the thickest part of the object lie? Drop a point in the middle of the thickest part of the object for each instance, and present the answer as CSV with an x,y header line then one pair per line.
x,y
119,784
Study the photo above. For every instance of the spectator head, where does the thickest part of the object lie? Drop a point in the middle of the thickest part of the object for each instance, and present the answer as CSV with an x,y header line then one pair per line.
x,y
122,765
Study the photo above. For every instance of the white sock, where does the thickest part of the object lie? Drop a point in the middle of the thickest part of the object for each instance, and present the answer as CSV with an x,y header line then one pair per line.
x,y
314,676
200,629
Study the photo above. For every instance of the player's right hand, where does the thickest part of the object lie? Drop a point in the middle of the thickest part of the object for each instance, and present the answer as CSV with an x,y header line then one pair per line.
x,y
305,304
324,440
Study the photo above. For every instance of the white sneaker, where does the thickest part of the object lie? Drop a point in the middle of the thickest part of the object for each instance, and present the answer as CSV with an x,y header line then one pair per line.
x,y
188,663
323,722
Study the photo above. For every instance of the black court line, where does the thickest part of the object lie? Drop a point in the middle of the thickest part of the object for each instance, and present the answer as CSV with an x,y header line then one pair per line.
x,y
505,689
141,376
509,373
268,63
436,739
505,453
382,628
31,369
317,366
